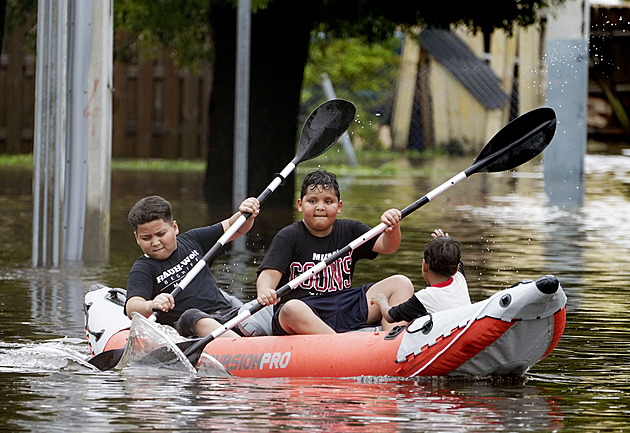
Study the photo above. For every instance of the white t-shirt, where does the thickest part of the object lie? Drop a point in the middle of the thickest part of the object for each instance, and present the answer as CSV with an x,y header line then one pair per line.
x,y
452,293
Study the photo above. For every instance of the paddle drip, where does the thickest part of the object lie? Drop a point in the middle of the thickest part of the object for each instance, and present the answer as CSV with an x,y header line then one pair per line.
x,y
148,345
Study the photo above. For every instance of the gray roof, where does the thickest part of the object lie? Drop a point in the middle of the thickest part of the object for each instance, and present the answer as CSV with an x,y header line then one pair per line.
x,y
472,72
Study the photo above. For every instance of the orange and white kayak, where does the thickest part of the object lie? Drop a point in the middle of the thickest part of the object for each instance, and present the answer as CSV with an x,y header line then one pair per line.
x,y
505,334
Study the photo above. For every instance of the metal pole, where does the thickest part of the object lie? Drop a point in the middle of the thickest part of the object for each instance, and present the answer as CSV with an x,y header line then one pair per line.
x,y
75,191
567,92
42,12
60,127
46,148
97,116
346,143
241,116
50,132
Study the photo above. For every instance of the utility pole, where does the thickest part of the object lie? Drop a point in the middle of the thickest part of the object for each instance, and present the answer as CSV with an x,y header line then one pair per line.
x,y
72,140
567,92
241,115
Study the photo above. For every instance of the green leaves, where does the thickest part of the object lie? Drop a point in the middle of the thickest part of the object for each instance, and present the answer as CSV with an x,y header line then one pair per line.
x,y
145,27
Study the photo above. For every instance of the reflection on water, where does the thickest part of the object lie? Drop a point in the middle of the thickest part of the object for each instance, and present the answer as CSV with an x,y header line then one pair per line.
x,y
107,402
509,230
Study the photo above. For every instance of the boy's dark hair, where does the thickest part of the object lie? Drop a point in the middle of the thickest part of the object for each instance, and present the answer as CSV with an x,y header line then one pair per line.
x,y
443,254
150,209
322,178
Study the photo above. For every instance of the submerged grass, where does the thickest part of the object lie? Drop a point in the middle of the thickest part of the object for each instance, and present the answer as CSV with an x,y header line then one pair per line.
x,y
372,163
139,164
21,160
155,164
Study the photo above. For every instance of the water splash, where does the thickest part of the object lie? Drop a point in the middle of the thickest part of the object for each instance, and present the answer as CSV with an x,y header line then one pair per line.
x,y
151,346
52,355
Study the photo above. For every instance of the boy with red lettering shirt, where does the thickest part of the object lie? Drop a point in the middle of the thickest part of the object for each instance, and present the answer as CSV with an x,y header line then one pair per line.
x,y
168,257
327,303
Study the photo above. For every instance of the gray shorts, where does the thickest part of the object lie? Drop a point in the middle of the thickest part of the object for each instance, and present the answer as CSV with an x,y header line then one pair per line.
x,y
186,323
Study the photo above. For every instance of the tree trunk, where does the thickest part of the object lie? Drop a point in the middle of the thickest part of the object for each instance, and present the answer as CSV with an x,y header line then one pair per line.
x,y
279,47
3,9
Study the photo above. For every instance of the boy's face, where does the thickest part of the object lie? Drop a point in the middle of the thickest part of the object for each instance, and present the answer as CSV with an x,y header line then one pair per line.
x,y
157,238
320,208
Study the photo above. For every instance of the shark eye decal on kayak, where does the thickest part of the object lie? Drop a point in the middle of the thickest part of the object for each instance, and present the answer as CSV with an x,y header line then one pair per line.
x,y
505,301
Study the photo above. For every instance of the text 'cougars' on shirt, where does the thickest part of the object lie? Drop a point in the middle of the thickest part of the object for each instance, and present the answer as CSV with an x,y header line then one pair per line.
x,y
336,276
173,272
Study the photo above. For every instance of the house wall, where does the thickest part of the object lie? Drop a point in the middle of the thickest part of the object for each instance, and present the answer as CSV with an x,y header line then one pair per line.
x,y
460,121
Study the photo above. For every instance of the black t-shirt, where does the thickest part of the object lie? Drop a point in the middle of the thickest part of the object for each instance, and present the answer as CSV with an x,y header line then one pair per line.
x,y
294,251
149,277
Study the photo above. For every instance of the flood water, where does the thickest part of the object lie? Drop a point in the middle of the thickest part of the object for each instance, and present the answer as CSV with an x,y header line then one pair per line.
x,y
509,231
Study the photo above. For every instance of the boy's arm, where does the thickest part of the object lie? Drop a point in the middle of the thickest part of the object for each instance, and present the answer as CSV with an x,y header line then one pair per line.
x,y
163,302
266,286
389,241
249,205
407,311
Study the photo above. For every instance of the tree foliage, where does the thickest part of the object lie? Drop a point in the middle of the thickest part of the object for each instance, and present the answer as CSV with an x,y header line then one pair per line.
x,y
144,28
13,14
183,25
378,19
360,71
350,60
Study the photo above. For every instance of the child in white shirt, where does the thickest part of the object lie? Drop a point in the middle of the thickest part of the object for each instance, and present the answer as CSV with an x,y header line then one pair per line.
x,y
443,271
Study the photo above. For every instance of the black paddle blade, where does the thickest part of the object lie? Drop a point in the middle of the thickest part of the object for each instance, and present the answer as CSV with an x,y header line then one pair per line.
x,y
193,351
518,142
165,357
108,359
323,128
194,357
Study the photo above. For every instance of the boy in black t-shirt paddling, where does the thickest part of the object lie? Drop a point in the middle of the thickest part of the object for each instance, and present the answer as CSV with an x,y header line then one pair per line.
x,y
327,303
168,257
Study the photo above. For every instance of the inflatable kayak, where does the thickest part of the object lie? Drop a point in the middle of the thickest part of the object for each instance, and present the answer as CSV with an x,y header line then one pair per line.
x,y
505,334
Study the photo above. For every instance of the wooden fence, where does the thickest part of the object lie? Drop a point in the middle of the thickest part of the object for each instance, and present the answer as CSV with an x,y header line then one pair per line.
x,y
159,111
17,99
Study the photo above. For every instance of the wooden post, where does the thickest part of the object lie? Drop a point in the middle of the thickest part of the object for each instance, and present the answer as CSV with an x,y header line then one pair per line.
x,y
15,109
170,109
531,77
190,115
468,117
426,110
120,108
144,99
502,53
403,105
